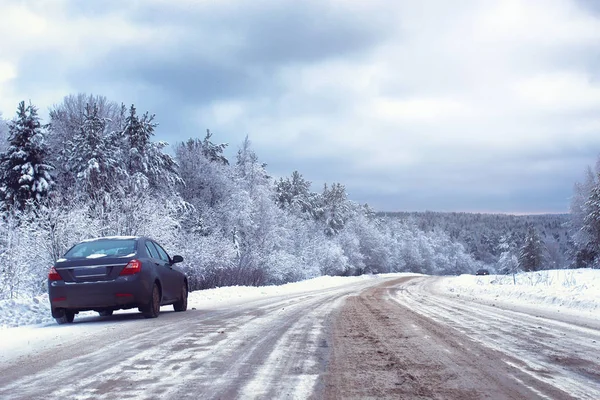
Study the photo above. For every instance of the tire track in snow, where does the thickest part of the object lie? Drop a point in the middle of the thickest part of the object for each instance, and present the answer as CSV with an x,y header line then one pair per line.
x,y
264,347
558,353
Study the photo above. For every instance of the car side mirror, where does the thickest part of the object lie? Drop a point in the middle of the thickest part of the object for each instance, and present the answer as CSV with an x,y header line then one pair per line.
x,y
177,259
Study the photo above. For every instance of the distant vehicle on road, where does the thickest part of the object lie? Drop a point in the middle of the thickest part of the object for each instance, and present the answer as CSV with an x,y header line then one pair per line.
x,y
482,272
113,273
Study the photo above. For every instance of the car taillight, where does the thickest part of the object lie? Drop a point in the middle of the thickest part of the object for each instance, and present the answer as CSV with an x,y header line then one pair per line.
x,y
132,267
53,275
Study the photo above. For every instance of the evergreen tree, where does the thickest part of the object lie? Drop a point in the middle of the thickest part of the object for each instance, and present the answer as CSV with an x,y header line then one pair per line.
x,y
147,165
24,170
94,156
508,261
292,191
205,171
3,134
336,208
580,224
591,227
214,152
66,120
531,256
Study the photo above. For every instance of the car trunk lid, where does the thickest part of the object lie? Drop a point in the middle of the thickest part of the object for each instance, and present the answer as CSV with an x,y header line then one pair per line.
x,y
91,270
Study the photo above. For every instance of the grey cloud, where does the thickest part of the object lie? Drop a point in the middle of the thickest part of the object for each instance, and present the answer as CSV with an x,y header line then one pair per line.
x,y
94,8
589,5
223,51
185,77
212,55
275,32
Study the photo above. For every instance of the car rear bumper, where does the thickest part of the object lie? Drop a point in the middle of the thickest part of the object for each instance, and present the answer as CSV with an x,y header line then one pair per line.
x,y
123,292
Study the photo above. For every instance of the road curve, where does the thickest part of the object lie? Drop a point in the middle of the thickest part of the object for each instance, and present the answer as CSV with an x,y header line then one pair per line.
x,y
404,339
394,338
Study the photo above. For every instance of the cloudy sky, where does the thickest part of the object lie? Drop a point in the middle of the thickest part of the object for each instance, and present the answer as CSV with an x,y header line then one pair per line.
x,y
465,105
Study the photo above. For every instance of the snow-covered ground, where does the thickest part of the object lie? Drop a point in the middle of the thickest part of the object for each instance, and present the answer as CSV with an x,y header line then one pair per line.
x,y
26,325
576,291
36,311
573,290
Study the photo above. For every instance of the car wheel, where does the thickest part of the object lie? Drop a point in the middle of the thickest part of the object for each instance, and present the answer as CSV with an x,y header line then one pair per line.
x,y
66,318
181,304
105,313
153,307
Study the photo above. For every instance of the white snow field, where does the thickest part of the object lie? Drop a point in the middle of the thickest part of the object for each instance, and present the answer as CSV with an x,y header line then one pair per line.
x,y
574,291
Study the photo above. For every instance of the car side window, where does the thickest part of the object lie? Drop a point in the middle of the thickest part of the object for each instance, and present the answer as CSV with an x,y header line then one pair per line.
x,y
152,250
163,254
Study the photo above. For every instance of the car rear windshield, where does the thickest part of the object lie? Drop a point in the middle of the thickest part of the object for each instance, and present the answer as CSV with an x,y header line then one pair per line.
x,y
102,248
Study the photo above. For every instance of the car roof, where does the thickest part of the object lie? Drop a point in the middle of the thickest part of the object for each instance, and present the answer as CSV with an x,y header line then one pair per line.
x,y
111,238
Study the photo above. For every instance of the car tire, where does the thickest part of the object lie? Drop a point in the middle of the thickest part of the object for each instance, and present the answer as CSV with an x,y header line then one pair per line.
x,y
152,309
181,304
105,313
66,318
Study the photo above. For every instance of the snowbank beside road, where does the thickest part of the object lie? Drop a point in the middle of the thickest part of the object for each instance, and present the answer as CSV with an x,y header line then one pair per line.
x,y
577,290
36,311
17,312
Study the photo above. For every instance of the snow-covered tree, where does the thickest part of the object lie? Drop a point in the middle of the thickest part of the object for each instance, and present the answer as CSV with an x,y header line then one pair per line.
x,y
251,172
66,121
531,255
293,191
233,224
147,164
581,229
508,261
94,157
591,226
212,151
3,134
208,183
335,207
24,168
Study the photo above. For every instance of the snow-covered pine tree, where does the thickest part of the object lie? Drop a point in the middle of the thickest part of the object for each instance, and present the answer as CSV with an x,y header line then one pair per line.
x,y
24,168
94,157
294,191
253,174
3,134
66,120
581,225
508,261
336,208
136,140
205,170
214,152
147,165
531,256
591,227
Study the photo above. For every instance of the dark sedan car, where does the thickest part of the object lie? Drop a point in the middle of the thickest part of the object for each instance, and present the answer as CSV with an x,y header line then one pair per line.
x,y
113,273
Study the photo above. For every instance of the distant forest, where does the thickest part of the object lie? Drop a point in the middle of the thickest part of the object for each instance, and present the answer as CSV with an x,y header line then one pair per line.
x,y
487,236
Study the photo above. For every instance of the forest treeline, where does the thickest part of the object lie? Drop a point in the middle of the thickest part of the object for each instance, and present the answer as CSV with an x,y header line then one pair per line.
x,y
487,236
95,169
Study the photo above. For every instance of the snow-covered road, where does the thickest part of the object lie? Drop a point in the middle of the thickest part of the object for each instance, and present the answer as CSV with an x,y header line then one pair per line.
x,y
272,347
410,338
392,336
550,347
